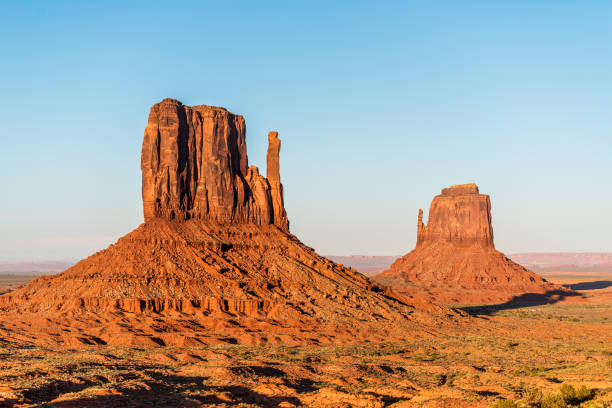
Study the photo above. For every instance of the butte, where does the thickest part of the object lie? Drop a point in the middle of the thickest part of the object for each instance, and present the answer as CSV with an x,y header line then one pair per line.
x,y
213,262
455,260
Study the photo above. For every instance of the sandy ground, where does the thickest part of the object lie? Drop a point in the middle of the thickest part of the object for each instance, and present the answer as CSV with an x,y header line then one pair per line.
x,y
504,351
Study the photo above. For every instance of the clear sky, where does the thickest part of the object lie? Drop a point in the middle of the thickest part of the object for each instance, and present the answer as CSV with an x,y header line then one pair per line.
x,y
379,106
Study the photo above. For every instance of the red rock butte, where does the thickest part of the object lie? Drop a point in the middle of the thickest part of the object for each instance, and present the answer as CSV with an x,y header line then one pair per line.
x,y
194,165
455,259
459,215
213,262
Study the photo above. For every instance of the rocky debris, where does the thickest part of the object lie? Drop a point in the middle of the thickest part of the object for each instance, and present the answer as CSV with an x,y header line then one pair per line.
x,y
170,282
194,165
455,254
213,262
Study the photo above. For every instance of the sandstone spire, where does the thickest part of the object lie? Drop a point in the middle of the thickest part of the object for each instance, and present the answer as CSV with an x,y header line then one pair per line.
x,y
276,188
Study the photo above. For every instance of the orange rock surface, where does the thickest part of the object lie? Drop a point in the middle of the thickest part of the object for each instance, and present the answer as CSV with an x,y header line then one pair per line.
x,y
213,262
459,215
194,165
455,259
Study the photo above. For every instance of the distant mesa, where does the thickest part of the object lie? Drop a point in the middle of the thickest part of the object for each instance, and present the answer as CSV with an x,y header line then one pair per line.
x,y
214,261
540,262
579,262
455,259
34,268
367,264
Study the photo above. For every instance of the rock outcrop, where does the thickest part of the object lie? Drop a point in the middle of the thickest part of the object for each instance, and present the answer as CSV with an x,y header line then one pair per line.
x,y
276,188
459,215
194,165
455,259
213,262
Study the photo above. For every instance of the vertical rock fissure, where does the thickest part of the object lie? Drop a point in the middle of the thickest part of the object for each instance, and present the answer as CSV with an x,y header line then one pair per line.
x,y
460,214
195,165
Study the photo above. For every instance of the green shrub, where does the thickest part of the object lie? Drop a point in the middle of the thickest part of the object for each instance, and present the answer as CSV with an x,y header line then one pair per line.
x,y
532,398
573,396
504,403
568,396
584,393
568,393
602,404
553,401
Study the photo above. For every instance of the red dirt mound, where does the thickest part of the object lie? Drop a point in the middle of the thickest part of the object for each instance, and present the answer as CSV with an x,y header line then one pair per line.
x,y
455,259
213,262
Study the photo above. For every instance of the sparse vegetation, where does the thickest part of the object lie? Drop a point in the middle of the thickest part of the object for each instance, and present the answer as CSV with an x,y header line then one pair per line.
x,y
574,396
532,398
568,396
530,362
504,403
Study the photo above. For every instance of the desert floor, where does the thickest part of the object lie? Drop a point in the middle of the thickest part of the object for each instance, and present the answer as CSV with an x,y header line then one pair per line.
x,y
504,351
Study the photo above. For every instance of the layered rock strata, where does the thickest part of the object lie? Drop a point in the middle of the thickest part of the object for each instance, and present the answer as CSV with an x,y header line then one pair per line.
x,y
455,259
194,165
459,215
213,262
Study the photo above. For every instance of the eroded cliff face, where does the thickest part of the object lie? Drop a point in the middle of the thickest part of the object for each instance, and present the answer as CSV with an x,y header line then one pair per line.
x,y
460,215
455,260
194,165
213,262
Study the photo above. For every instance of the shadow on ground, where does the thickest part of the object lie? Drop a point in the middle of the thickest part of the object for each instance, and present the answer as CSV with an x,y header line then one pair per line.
x,y
589,285
161,389
54,389
167,397
526,299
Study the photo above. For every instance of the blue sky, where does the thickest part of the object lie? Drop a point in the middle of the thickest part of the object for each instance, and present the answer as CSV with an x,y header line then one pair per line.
x,y
379,106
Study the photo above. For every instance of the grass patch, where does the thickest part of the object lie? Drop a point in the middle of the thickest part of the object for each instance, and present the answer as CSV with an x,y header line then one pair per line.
x,y
568,396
